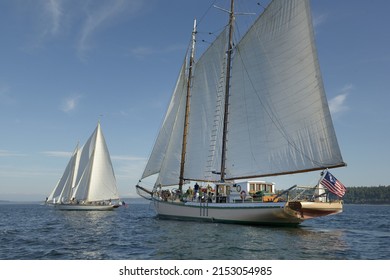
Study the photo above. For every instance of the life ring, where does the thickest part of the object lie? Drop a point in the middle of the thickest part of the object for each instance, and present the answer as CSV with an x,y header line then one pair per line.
x,y
243,194
238,188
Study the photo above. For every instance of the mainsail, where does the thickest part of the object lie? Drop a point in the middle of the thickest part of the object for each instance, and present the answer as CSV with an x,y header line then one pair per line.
x,y
95,172
278,122
279,119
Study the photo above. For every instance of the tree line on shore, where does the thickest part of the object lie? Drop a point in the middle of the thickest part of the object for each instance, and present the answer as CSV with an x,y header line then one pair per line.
x,y
367,195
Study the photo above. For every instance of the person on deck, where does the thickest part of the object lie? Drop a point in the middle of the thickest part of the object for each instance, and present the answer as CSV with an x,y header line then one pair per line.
x,y
190,193
196,189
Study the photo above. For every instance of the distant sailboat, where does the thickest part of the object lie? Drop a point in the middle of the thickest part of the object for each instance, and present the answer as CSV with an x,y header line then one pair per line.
x,y
244,110
88,182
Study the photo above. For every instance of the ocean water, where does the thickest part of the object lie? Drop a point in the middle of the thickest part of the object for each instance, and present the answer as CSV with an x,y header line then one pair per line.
x,y
38,232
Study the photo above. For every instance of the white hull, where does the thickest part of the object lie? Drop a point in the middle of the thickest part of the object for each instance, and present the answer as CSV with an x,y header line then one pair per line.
x,y
238,213
84,207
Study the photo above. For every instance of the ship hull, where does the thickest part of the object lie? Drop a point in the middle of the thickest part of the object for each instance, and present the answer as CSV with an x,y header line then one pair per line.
x,y
84,207
237,213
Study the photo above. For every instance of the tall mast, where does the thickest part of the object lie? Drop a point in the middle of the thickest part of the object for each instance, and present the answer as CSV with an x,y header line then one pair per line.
x,y
227,91
187,113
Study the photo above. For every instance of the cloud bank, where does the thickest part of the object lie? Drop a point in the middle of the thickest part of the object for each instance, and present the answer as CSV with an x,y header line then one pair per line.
x,y
337,104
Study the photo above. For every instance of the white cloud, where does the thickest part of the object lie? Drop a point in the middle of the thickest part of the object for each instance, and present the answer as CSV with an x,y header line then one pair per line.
x,y
54,12
80,19
319,20
47,17
99,17
6,153
58,154
338,103
69,104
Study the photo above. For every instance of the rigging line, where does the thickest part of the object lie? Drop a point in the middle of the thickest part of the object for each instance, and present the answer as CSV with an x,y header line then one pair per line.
x,y
247,118
216,32
273,118
249,24
204,15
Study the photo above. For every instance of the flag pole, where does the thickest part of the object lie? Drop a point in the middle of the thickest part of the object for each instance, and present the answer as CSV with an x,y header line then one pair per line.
x,y
320,190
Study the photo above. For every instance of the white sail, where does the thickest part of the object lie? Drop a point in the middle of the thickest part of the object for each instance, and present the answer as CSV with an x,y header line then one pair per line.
x,y
84,168
206,116
95,176
62,191
206,100
279,120
102,181
165,157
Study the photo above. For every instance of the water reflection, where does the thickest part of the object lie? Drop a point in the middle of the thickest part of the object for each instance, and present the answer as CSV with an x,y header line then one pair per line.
x,y
85,234
193,240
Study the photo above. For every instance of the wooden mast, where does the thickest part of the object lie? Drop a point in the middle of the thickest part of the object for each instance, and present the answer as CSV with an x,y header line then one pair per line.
x,y
227,91
187,112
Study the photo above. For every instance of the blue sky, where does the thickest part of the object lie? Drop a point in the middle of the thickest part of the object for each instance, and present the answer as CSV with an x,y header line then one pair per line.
x,y
66,64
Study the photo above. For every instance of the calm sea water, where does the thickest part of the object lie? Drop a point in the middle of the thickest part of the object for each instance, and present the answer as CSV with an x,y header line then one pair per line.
x,y
33,231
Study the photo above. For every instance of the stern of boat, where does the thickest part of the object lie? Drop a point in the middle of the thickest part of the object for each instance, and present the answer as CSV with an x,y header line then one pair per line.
x,y
307,202
309,209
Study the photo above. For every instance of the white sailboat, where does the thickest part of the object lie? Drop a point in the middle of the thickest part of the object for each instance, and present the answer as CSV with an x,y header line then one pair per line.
x,y
250,109
88,182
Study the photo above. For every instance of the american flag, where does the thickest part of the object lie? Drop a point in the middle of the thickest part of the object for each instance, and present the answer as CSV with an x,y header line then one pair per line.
x,y
333,185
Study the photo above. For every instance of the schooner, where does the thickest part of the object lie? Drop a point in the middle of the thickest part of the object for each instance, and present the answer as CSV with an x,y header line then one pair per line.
x,y
244,110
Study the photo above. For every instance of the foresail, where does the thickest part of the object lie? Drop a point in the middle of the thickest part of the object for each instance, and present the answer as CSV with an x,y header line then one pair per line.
x,y
80,189
102,181
166,153
279,120
62,191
